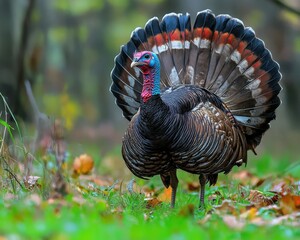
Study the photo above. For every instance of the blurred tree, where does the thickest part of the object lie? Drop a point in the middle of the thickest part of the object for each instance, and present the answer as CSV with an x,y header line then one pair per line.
x,y
7,63
12,58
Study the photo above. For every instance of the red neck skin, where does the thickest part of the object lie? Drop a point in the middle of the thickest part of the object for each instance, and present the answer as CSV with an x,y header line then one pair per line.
x,y
148,84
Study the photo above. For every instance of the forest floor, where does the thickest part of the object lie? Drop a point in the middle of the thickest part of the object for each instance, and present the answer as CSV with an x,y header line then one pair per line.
x,y
82,201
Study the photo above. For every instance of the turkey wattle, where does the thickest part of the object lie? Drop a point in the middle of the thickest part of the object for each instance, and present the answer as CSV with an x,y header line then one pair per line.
x,y
197,98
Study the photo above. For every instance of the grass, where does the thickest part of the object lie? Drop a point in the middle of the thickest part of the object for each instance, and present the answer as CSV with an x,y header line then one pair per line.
x,y
91,221
97,212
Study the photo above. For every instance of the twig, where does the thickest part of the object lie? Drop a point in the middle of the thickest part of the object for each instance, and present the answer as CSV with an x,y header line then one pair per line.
x,y
286,7
6,169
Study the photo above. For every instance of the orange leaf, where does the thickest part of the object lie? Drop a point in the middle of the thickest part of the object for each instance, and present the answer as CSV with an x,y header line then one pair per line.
x,y
83,164
152,202
250,214
289,203
297,201
165,196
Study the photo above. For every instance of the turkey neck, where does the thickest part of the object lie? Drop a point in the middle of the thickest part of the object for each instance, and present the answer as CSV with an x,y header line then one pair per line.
x,y
153,110
151,83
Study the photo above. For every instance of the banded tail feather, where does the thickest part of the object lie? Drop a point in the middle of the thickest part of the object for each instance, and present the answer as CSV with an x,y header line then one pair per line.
x,y
218,53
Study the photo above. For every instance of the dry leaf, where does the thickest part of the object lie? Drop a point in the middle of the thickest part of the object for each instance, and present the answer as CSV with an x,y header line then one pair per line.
x,y
246,177
148,192
165,196
187,210
31,181
83,164
226,206
205,219
152,202
250,214
259,200
103,182
293,219
193,186
289,203
233,222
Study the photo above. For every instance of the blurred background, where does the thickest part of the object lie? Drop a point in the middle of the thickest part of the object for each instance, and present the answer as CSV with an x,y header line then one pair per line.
x,y
66,50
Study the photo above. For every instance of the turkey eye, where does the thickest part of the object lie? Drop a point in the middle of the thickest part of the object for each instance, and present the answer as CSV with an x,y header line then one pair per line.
x,y
147,56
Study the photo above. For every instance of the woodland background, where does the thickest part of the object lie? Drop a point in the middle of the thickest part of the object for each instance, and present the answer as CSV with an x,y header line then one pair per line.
x,y
66,50
61,170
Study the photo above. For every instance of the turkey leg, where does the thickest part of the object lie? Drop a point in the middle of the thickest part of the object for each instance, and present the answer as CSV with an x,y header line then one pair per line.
x,y
174,184
202,180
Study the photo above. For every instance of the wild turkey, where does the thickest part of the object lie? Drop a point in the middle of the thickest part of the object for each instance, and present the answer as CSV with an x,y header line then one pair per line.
x,y
197,98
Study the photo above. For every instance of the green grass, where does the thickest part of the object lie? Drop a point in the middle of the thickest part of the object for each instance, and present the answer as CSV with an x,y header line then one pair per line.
x,y
103,212
93,220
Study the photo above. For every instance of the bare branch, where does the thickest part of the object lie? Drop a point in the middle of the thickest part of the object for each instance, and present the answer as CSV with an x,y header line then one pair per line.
x,y
286,7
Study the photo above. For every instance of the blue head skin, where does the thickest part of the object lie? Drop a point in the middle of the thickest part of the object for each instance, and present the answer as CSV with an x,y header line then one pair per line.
x,y
149,65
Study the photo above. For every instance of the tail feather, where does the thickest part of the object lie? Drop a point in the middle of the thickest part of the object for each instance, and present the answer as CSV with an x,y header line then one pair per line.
x,y
157,43
139,39
127,84
218,53
175,41
223,52
200,49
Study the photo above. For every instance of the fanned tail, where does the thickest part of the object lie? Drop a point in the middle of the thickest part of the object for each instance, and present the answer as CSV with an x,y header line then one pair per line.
x,y
218,53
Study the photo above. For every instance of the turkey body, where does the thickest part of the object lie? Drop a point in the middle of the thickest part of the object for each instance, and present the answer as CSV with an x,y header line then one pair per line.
x,y
186,128
197,97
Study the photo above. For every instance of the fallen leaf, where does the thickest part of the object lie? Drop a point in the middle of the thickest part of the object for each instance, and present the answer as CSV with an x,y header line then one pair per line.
x,y
148,192
193,186
250,214
102,181
260,200
226,206
233,222
289,203
31,181
245,177
293,219
297,201
165,196
152,202
187,210
83,164
205,219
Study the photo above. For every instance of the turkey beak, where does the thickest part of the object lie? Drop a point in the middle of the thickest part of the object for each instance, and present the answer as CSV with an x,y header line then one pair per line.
x,y
136,63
